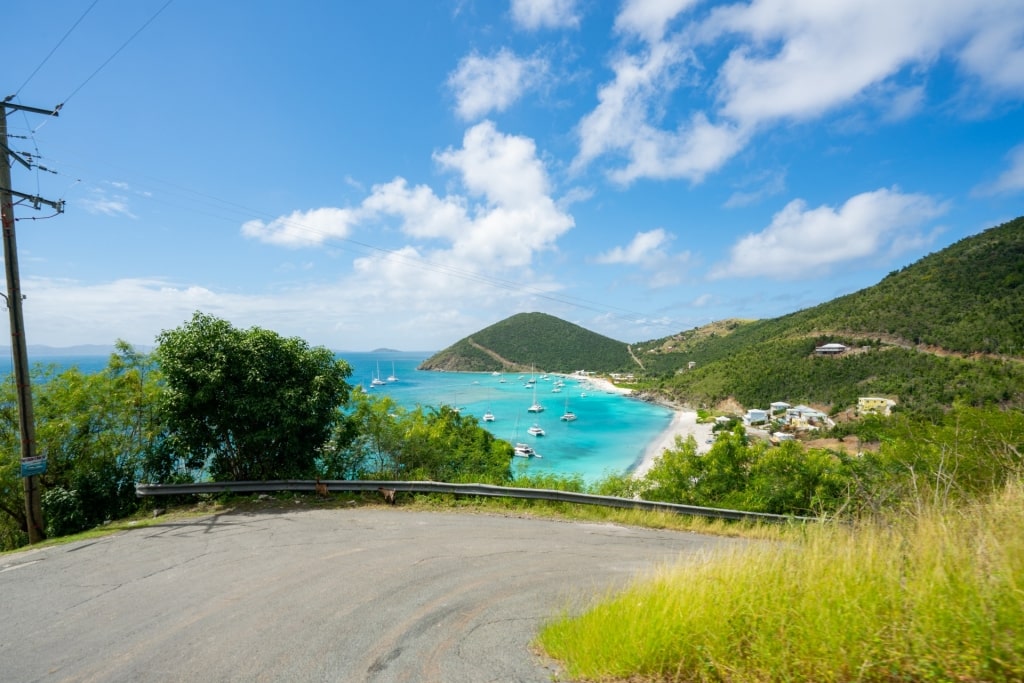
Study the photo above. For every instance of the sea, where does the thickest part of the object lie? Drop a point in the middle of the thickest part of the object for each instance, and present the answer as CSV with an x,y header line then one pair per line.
x,y
610,435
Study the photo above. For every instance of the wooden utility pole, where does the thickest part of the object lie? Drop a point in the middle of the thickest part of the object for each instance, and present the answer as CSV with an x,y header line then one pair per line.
x,y
31,464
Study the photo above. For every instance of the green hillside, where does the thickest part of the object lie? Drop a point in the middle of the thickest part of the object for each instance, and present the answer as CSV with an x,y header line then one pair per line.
x,y
947,328
533,340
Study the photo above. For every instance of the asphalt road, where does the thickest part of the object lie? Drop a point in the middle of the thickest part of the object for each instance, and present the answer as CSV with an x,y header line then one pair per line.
x,y
361,594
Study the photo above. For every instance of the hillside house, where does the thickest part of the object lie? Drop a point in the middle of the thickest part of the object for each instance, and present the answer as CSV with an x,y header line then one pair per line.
x,y
755,416
872,405
833,349
779,406
805,417
691,365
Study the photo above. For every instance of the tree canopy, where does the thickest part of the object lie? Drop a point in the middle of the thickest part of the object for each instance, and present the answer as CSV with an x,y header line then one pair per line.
x,y
248,404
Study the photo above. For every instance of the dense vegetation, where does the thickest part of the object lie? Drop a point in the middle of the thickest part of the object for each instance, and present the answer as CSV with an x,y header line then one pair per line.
x,y
947,328
533,340
216,402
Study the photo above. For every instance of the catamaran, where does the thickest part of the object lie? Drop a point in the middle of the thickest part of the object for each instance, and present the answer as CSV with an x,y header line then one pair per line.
x,y
568,415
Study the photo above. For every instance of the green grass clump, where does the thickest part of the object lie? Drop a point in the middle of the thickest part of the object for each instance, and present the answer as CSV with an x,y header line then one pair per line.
x,y
939,597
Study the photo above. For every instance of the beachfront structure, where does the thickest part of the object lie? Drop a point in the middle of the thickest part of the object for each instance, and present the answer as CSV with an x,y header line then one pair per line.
x,y
833,349
873,405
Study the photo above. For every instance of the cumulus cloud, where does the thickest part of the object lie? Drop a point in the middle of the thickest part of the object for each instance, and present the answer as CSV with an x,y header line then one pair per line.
x,y
503,217
802,242
1009,181
650,251
302,228
644,246
786,61
482,85
535,14
648,18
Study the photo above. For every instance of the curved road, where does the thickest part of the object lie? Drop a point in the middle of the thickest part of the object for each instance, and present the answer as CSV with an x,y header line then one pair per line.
x,y
361,594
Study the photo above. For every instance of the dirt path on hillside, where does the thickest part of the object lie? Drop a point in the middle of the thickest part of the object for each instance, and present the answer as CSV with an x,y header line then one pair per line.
x,y
506,363
635,359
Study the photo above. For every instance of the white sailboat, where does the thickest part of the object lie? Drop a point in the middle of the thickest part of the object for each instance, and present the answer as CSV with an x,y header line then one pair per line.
x,y
522,450
377,381
392,377
568,415
535,407
535,430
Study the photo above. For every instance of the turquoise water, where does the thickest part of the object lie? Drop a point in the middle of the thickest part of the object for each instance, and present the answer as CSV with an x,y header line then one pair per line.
x,y
611,432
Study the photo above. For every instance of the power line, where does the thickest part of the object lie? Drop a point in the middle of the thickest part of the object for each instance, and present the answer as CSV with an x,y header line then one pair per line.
x,y
55,47
117,52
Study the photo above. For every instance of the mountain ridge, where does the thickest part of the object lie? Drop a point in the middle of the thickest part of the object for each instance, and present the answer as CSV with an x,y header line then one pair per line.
x,y
948,327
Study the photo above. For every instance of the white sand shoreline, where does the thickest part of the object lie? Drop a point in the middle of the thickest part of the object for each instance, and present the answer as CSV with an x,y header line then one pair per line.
x,y
684,423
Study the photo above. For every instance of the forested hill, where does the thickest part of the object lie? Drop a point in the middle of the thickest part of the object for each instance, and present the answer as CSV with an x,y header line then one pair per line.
x,y
533,340
948,327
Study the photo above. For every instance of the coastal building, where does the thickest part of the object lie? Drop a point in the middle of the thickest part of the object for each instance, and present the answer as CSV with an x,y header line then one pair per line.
x,y
805,417
755,416
833,349
779,406
873,405
691,365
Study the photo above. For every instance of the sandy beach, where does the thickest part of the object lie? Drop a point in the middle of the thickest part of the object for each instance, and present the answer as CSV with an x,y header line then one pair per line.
x,y
684,423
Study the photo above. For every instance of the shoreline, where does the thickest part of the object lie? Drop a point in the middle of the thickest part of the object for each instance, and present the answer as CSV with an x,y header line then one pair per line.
x,y
684,423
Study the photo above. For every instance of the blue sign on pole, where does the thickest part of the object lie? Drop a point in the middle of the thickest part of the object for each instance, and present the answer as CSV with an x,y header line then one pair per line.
x,y
30,468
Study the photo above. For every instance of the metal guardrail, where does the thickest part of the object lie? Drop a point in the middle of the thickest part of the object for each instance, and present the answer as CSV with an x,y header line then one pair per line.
x,y
357,486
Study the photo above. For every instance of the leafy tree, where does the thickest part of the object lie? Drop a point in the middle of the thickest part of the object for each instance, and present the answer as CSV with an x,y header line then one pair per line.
x,y
792,480
248,404
422,444
95,430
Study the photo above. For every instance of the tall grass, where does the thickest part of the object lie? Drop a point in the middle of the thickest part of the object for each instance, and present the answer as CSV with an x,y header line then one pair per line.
x,y
937,597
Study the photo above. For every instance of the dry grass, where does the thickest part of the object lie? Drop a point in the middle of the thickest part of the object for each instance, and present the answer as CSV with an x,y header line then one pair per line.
x,y
939,597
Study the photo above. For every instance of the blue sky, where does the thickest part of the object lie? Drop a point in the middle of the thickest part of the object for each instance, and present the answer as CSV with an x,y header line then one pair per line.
x,y
401,174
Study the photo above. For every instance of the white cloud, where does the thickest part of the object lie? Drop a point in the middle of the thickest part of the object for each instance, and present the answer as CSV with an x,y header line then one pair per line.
x,y
645,245
303,228
108,205
802,242
482,85
787,60
1009,181
649,250
648,18
621,123
535,14
502,219
423,214
994,52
